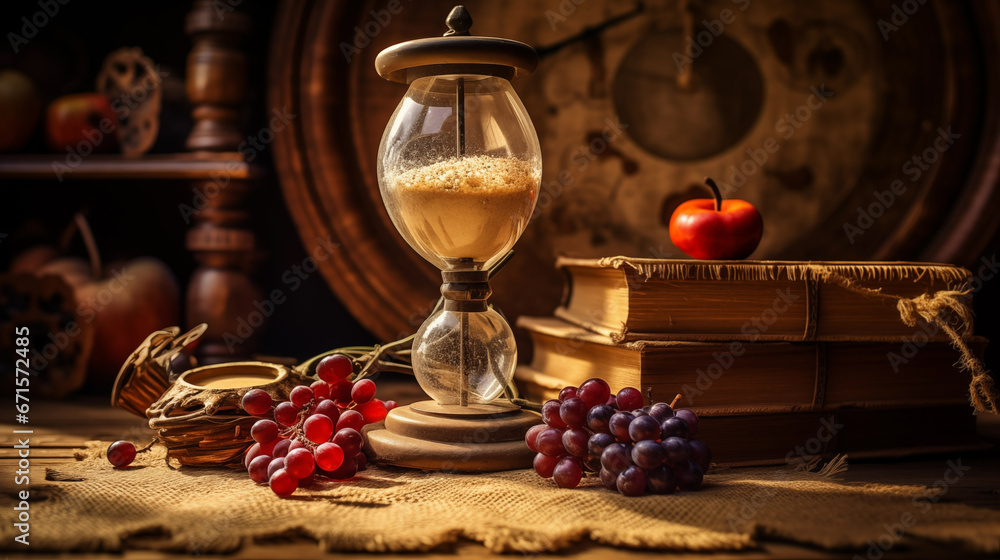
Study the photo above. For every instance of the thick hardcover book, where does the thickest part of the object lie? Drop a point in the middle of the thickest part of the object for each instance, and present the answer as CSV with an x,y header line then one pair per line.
x,y
739,377
655,299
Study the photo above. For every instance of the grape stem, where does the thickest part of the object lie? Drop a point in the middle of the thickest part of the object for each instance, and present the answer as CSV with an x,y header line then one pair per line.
x,y
673,403
149,446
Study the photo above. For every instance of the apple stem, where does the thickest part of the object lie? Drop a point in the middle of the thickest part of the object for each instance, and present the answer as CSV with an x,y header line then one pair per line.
x,y
715,190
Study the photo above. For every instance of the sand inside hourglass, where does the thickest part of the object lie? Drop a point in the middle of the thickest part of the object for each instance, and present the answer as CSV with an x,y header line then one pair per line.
x,y
466,207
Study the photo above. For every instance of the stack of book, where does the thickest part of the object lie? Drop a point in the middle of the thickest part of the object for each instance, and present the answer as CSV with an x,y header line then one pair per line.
x,y
781,360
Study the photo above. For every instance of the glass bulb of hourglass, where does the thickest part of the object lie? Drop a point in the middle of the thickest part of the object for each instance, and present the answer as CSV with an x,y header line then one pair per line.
x,y
489,351
459,169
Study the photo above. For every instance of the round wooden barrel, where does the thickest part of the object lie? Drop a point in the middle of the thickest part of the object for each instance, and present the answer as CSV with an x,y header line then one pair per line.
x,y
862,130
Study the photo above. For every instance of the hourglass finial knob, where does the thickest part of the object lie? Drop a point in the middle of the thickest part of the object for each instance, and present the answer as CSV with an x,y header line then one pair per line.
x,y
459,22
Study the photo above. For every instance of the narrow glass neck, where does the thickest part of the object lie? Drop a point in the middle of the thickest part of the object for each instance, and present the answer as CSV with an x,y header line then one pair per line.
x,y
466,290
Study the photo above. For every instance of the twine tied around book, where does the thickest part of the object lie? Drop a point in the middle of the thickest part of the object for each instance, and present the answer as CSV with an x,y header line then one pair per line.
x,y
939,309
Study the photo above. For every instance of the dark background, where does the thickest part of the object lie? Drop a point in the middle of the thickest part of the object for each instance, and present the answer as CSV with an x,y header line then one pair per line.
x,y
134,218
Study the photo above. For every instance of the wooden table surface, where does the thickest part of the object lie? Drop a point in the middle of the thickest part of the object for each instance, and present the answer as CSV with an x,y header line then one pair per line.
x,y
62,427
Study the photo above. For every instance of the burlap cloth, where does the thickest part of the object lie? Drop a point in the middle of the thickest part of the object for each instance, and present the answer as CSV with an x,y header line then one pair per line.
x,y
88,506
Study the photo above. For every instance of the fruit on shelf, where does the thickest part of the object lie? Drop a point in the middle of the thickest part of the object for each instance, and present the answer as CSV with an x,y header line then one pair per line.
x,y
20,107
81,124
713,228
635,450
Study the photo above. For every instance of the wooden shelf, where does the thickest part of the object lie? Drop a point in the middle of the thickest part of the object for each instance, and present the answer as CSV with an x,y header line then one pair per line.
x,y
199,165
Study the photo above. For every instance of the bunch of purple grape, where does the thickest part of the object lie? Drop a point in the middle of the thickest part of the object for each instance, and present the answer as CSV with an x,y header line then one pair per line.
x,y
317,431
635,449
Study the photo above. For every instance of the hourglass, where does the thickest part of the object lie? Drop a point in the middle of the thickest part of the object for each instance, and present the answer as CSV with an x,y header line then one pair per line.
x,y
459,169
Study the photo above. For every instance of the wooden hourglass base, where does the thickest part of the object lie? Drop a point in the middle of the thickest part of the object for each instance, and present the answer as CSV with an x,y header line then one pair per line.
x,y
435,437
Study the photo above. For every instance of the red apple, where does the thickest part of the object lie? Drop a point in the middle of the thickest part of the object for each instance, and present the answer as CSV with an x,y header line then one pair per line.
x,y
712,228
82,123
20,108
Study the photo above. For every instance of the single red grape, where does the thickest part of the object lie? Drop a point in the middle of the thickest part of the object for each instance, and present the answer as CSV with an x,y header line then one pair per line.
x,y
329,409
549,442
329,456
275,464
594,391
286,413
264,431
616,457
334,367
661,411
550,414
532,435
575,440
372,411
121,453
362,460
340,391
674,427
609,479
300,396
389,405
629,398
544,465
283,483
573,412
318,428
300,463
258,468
689,418
632,481
568,472
257,402
351,419
567,393
281,448
648,454
321,389
349,440
363,391
644,428
619,424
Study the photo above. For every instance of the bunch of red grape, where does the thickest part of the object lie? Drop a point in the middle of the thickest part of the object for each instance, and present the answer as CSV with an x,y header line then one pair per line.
x,y
317,431
636,449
